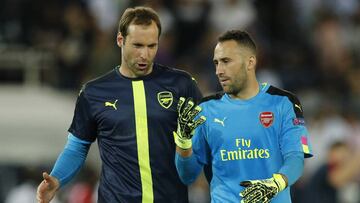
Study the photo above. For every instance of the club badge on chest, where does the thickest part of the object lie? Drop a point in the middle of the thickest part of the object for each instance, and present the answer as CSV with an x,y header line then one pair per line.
x,y
266,118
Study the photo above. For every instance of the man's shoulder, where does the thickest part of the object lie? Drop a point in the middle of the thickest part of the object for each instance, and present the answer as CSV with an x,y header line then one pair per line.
x,y
173,72
275,91
272,90
213,97
104,78
287,97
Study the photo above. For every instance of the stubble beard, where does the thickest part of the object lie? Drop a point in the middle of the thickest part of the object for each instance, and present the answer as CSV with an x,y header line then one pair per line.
x,y
239,83
236,87
132,66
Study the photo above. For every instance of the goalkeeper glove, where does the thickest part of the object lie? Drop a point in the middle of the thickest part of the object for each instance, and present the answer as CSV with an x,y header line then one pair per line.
x,y
186,122
262,191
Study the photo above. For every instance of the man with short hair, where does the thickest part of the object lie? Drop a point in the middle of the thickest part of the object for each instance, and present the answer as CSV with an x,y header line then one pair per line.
x,y
131,112
254,134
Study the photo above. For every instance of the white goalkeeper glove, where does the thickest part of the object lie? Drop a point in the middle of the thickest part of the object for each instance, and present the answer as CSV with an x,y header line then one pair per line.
x,y
262,191
186,122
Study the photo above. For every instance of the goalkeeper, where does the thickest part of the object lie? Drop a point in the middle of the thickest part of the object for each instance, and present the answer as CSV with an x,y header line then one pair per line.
x,y
253,134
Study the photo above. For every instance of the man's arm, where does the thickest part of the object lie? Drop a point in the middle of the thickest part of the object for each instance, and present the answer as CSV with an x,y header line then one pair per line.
x,y
293,167
186,163
66,166
187,167
184,152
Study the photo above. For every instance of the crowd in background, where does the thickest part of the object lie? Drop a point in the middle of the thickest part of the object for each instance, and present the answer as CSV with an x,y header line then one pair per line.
x,y
311,48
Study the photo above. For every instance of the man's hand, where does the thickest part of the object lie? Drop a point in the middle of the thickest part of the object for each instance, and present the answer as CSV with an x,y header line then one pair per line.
x,y
47,188
187,111
262,191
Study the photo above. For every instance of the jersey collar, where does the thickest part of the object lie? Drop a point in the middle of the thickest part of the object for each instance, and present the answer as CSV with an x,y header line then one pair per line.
x,y
151,75
263,87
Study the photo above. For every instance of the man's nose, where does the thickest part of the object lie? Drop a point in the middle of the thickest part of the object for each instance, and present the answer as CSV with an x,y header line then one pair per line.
x,y
144,53
219,69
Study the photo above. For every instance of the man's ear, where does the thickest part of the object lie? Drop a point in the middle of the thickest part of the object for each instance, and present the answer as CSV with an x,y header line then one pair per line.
x,y
252,62
119,39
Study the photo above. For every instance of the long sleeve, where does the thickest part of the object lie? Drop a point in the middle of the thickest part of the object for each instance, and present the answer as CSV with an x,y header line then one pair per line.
x,y
71,159
188,168
293,166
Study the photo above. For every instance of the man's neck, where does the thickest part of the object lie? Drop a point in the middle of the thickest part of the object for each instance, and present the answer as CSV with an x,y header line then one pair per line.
x,y
248,92
125,71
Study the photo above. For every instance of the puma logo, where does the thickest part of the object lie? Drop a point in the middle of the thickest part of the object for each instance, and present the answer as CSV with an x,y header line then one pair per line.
x,y
298,106
216,120
111,104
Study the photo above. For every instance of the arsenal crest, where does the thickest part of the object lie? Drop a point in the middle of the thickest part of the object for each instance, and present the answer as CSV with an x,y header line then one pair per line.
x,y
165,99
266,118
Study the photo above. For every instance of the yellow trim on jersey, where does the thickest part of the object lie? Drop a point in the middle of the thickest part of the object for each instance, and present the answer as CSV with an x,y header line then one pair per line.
x,y
306,149
142,140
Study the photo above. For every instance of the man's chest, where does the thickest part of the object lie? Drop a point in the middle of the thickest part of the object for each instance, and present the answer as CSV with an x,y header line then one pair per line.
x,y
245,127
146,102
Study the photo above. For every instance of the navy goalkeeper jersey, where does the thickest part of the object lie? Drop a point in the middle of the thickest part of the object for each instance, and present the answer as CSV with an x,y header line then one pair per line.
x,y
132,119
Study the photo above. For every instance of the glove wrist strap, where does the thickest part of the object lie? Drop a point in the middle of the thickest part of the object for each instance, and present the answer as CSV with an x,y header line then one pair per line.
x,y
280,181
182,143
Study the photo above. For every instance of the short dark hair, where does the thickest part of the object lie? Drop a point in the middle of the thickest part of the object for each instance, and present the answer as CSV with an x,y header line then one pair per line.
x,y
241,37
139,16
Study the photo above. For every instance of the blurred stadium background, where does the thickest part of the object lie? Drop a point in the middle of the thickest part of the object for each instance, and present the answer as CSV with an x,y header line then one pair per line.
x,y
49,48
